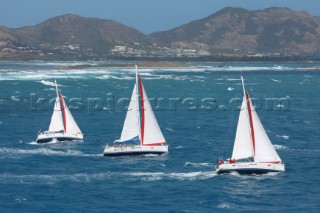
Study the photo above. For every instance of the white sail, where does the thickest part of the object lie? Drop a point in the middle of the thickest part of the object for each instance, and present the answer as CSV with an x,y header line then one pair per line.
x,y
71,125
56,123
251,138
264,150
131,126
62,118
150,130
242,148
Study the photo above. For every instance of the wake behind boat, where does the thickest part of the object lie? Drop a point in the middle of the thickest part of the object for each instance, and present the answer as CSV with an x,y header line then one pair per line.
x,y
253,152
141,133
63,126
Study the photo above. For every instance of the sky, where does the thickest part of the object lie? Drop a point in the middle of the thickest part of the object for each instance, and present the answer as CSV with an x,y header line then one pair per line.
x,y
146,16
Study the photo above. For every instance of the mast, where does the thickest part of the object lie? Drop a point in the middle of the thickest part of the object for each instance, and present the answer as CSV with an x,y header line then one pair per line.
x,y
249,117
62,107
137,99
55,82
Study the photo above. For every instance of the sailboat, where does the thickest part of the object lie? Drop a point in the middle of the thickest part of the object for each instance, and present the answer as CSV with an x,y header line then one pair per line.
x,y
141,133
253,152
63,126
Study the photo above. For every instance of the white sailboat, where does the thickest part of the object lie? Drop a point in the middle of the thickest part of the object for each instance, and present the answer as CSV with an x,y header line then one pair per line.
x,y
253,151
63,126
141,133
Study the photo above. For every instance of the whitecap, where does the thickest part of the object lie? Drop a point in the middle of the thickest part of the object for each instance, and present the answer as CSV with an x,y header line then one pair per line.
x,y
230,88
88,177
286,137
50,179
191,176
198,164
233,79
275,80
15,98
104,77
45,151
48,83
151,155
225,206
276,146
146,174
20,199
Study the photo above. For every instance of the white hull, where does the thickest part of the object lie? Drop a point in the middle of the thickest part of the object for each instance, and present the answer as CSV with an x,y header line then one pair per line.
x,y
122,150
250,168
49,136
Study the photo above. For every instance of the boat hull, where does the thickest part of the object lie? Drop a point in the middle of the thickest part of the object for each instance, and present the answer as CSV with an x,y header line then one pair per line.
x,y
250,168
48,137
134,150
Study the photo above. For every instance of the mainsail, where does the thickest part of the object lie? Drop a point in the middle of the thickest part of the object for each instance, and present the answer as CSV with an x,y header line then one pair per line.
x,y
56,123
243,148
131,126
251,139
62,119
144,128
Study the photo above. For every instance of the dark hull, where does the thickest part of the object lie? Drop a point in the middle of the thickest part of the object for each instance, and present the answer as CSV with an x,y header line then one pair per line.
x,y
60,139
132,153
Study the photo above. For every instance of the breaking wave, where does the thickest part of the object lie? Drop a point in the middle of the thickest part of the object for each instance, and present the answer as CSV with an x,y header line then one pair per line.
x,y
198,164
15,98
275,80
83,70
48,83
279,146
225,206
10,152
8,178
286,137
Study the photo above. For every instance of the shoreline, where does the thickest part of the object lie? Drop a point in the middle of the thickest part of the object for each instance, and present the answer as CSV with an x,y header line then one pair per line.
x,y
116,64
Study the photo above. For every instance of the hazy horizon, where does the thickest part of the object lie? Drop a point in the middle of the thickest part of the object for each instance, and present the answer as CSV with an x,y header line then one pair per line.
x,y
145,15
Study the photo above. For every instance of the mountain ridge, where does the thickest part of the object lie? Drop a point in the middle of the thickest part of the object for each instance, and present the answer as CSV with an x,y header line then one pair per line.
x,y
247,30
231,30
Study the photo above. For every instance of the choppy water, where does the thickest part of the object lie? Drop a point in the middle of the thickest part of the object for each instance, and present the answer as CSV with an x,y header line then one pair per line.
x,y
194,112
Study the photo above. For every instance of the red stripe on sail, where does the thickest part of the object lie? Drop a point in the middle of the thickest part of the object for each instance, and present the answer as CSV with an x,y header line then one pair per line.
x,y
251,123
156,144
63,112
142,109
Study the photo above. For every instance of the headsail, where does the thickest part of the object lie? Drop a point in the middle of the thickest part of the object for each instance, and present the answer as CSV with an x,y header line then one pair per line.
x,y
150,130
70,124
264,150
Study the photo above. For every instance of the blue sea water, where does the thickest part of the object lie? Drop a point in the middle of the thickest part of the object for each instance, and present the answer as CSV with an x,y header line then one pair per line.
x,y
197,111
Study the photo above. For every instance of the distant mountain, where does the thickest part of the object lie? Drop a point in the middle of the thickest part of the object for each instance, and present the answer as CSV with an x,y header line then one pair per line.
x,y
237,29
234,31
96,34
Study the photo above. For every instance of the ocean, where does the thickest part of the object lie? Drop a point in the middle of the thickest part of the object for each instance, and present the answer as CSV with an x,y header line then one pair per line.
x,y
196,107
